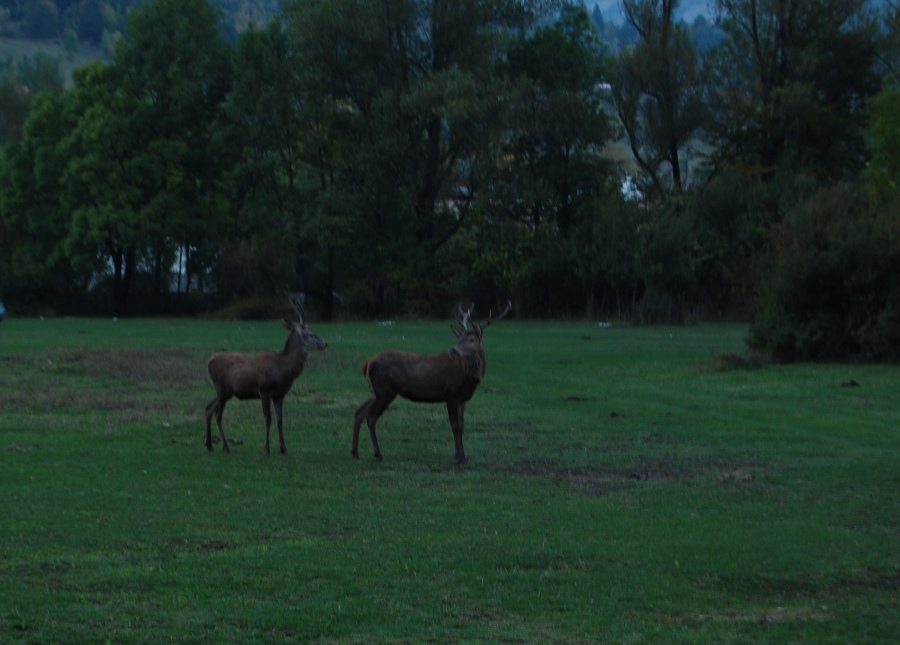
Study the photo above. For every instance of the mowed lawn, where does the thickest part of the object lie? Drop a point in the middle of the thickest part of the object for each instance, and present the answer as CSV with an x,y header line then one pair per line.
x,y
624,485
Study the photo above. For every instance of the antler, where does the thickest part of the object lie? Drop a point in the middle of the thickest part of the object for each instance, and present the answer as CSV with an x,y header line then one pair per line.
x,y
500,317
295,303
463,316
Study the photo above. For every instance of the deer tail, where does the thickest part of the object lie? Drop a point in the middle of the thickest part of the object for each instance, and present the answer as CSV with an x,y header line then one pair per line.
x,y
365,368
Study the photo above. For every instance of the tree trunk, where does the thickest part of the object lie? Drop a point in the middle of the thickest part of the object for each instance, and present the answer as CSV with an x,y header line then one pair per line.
x,y
124,269
328,296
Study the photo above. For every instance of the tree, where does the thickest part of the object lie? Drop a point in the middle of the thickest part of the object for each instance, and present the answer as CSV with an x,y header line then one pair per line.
x,y
34,119
271,190
884,126
658,90
33,225
143,181
108,182
549,174
890,49
406,106
15,103
793,82
705,34
883,173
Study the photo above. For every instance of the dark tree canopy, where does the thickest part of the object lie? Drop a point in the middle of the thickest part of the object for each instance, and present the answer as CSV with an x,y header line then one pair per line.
x,y
793,83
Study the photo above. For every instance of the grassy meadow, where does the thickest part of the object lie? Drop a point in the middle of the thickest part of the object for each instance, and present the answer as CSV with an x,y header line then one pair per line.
x,y
625,485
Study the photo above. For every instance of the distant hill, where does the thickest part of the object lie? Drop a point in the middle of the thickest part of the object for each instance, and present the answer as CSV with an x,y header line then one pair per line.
x,y
95,20
689,10
15,49
78,32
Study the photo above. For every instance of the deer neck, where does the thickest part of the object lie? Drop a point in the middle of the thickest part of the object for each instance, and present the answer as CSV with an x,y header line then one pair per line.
x,y
294,353
474,363
477,364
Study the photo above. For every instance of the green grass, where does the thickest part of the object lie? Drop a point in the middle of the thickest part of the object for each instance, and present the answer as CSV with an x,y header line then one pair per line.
x,y
621,488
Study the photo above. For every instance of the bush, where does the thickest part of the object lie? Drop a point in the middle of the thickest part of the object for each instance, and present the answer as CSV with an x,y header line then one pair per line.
x,y
256,308
830,292
696,255
663,260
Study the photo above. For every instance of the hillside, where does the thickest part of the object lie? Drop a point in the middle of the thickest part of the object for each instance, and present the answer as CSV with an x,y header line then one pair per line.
x,y
689,10
76,33
97,21
16,49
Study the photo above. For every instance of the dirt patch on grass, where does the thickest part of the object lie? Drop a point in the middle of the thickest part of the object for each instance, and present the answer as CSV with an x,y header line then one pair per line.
x,y
592,481
192,545
772,616
744,474
135,382
605,480
730,362
810,587
22,448
122,400
170,366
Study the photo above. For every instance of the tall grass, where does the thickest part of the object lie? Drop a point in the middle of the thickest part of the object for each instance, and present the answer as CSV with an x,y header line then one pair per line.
x,y
624,486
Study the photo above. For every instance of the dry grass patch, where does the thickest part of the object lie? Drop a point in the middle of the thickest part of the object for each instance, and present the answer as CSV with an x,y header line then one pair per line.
x,y
133,382
165,366
596,481
771,616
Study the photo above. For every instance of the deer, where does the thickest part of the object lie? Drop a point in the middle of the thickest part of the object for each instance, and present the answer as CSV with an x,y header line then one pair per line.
x,y
267,377
450,377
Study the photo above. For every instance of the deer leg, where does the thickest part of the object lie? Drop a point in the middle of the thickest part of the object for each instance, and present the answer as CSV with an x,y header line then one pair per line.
x,y
266,401
375,411
210,411
456,412
220,408
279,403
371,424
358,417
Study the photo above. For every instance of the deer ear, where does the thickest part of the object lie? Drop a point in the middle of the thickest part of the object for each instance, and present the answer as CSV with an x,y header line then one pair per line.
x,y
459,331
288,324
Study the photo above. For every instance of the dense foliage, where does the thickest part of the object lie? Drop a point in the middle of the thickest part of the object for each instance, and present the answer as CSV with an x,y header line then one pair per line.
x,y
832,291
402,156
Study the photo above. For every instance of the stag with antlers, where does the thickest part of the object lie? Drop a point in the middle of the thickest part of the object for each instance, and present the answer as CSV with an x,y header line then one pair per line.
x,y
267,377
450,377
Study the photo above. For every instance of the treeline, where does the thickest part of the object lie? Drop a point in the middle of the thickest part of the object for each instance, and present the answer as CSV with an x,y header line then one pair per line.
x,y
401,156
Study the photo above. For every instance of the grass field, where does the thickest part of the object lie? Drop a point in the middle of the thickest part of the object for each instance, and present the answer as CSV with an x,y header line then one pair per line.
x,y
622,487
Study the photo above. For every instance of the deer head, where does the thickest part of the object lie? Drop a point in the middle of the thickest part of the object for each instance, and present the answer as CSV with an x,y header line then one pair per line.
x,y
461,329
307,338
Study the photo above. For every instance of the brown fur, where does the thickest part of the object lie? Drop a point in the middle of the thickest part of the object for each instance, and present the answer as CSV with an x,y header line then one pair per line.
x,y
268,377
451,377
